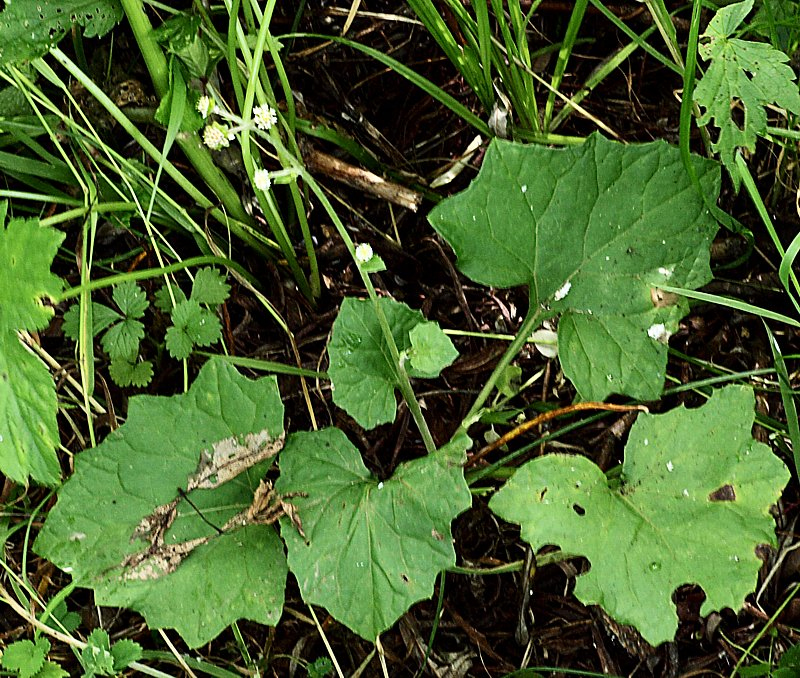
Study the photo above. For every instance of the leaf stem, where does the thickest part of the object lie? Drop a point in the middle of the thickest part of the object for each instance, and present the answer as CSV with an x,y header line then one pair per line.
x,y
195,152
531,320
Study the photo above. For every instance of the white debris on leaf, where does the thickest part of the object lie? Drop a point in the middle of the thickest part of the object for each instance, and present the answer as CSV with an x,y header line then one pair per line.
x,y
546,342
562,291
659,332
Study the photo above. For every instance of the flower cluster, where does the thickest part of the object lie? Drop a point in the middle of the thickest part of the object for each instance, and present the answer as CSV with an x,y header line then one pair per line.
x,y
262,180
217,135
264,117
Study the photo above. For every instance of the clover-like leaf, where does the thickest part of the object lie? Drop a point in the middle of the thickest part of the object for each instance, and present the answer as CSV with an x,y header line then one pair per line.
x,y
371,548
130,371
753,73
28,406
122,339
26,252
692,506
102,317
124,527
25,657
209,287
593,230
361,369
131,299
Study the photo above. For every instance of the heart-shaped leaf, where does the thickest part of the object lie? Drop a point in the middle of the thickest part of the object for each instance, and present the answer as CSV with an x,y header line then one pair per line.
x,y
692,505
593,230
362,372
371,548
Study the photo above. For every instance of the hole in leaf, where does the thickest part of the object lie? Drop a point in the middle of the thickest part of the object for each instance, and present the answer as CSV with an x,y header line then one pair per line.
x,y
404,577
579,509
541,494
724,493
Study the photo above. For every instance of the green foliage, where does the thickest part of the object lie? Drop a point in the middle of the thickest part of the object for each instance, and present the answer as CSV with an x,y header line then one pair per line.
x,y
788,666
26,657
593,231
101,658
29,433
320,668
124,332
752,73
371,548
122,524
194,320
29,28
691,505
362,371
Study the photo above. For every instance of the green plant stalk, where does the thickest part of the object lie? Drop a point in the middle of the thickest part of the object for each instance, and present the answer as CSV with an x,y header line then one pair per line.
x,y
785,272
403,381
265,200
788,398
532,320
241,228
575,20
195,152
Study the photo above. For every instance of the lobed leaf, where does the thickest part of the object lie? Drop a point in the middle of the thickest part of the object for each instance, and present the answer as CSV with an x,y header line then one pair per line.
x,y
692,506
371,548
122,526
753,73
593,231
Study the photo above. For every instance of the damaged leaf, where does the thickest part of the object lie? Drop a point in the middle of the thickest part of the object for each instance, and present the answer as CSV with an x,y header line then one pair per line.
x,y
594,231
691,506
155,515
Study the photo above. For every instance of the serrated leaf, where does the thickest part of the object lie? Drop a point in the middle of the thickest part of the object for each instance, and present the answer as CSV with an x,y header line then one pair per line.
x,y
754,73
122,339
371,549
204,328
179,343
96,657
124,652
25,657
120,517
29,28
361,369
593,230
26,252
28,406
163,300
131,299
102,317
431,350
692,506
209,287
126,372
51,670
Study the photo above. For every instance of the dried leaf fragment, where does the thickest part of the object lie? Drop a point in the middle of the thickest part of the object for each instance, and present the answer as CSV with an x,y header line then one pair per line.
x,y
231,456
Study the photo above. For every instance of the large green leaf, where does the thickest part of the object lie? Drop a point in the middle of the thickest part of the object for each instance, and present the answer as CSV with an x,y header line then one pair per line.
x,y
593,231
28,405
362,372
121,527
29,28
26,252
692,505
753,73
28,427
371,548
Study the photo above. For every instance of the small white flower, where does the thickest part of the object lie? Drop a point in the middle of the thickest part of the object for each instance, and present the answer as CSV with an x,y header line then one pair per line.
x,y
206,106
562,291
262,180
217,136
363,253
264,116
